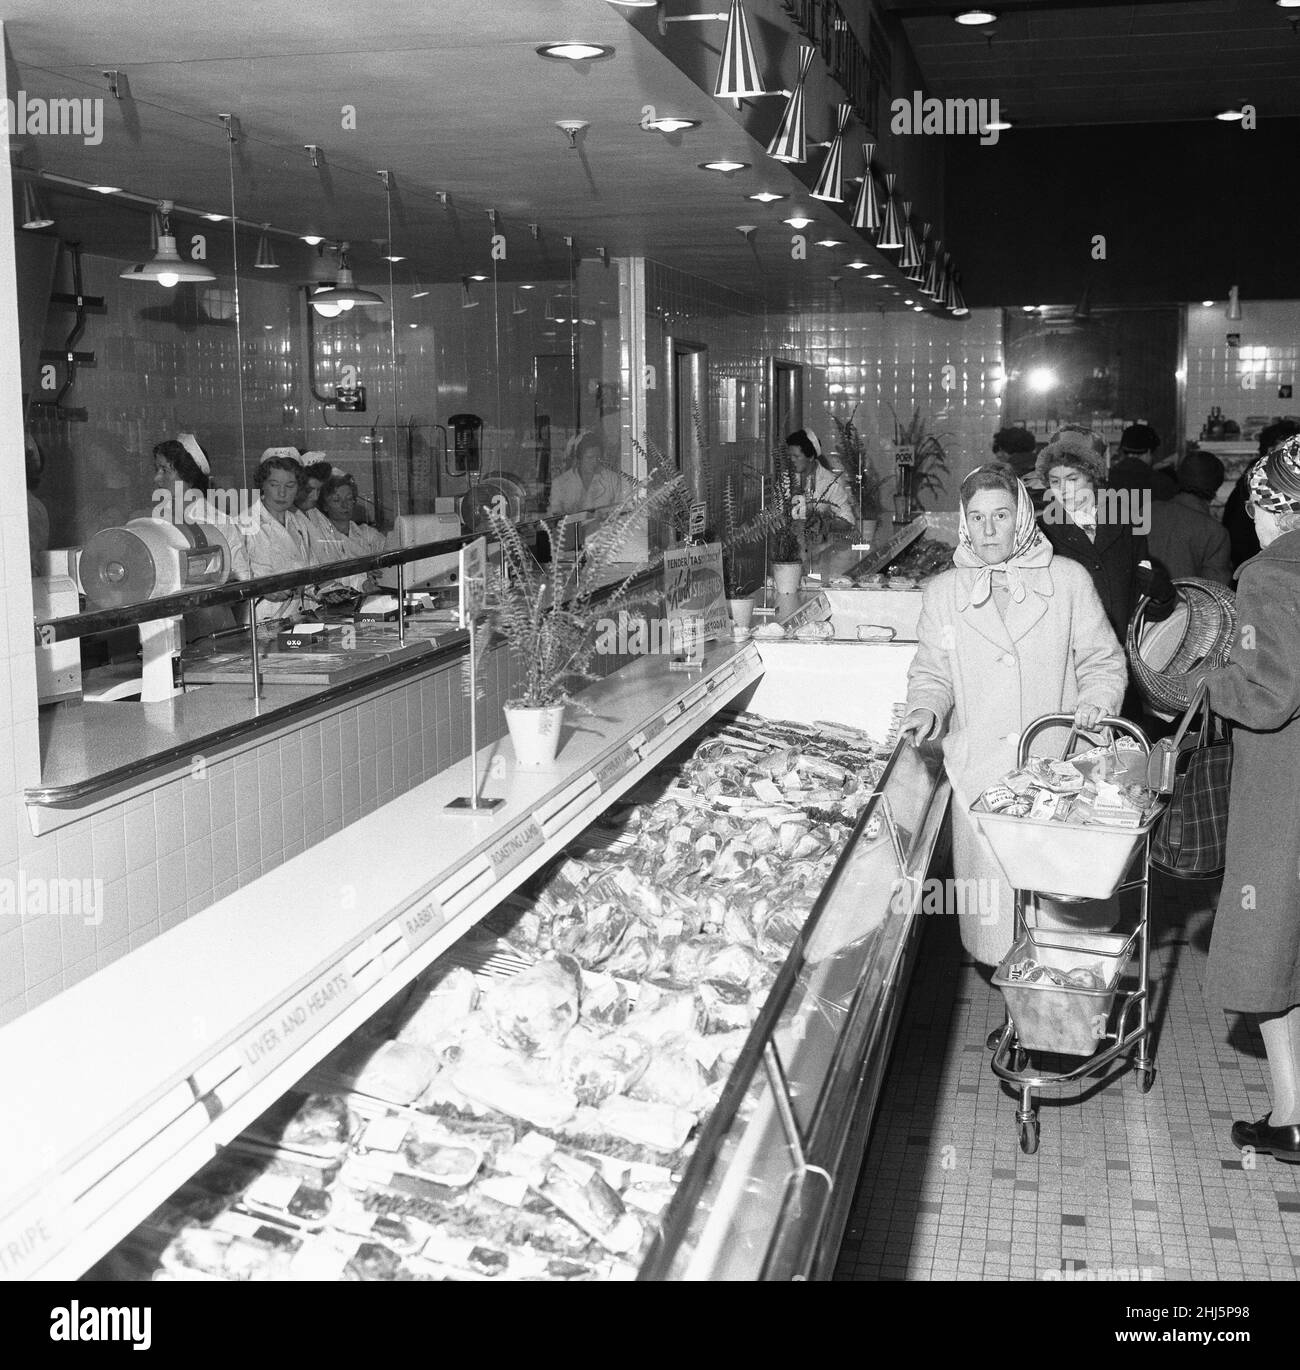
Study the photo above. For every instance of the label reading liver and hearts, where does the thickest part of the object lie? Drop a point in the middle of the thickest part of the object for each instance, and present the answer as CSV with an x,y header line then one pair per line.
x,y
512,849
614,767
281,1032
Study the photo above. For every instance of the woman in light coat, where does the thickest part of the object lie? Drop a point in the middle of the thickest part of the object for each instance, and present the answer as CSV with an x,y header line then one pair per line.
x,y
1254,962
1009,634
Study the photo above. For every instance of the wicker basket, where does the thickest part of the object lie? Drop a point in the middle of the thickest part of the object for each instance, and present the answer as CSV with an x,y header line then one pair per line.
x,y
1199,633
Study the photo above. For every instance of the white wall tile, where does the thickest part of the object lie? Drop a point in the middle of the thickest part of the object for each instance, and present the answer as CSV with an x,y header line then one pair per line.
x,y
108,847
115,917
142,897
141,841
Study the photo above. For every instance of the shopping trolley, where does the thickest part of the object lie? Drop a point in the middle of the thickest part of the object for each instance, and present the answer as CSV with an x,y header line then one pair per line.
x,y
1071,865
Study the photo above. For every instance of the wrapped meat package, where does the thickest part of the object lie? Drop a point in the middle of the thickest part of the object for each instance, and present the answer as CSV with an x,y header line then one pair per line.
x,y
441,1016
534,1010
595,1066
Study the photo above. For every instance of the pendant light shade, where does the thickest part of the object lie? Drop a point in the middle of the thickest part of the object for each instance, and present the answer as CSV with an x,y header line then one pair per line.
x,y
830,184
866,212
934,276
265,260
1233,314
954,300
891,233
790,142
34,212
911,256
167,267
738,71
344,292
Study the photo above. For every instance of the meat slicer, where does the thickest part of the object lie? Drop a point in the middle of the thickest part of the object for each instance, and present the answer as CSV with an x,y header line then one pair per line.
x,y
149,558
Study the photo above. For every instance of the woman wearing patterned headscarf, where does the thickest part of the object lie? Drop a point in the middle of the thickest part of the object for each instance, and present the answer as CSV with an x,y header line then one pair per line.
x,y
1254,964
1009,634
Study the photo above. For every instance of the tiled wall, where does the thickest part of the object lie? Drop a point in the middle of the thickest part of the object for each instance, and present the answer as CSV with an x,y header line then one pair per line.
x,y
1269,350
951,369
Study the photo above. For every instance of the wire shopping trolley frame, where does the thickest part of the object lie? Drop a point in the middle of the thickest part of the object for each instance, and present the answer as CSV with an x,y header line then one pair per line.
x,y
1068,1019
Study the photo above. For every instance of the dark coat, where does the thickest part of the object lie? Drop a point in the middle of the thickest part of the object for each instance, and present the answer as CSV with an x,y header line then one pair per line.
x,y
1240,527
1188,540
1132,473
1254,964
1111,561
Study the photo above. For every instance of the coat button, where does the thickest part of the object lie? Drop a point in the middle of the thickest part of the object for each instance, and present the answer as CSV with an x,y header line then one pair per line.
x,y
1008,660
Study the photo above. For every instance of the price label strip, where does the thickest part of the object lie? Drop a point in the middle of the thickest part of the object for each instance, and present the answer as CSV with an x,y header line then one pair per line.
x,y
281,1032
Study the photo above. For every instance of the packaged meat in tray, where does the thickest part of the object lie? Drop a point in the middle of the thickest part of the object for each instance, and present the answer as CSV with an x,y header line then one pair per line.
x,y
288,1200
260,1253
395,1072
420,1146
579,1192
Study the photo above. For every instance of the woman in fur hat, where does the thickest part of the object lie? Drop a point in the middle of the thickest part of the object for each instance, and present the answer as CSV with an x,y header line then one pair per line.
x,y
1102,534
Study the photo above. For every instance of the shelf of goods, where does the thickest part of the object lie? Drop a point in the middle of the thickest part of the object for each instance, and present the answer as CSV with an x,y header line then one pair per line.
x,y
635,1064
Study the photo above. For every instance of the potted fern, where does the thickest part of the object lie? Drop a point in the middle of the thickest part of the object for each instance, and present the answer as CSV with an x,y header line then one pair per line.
x,y
851,450
786,547
919,457
551,617
735,535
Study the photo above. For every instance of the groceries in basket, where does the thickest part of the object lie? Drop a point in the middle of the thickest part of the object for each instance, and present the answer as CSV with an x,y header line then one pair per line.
x,y
1090,789
1031,972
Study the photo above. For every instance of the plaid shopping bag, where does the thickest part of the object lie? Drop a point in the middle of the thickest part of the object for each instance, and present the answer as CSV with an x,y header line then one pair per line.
x,y
1190,841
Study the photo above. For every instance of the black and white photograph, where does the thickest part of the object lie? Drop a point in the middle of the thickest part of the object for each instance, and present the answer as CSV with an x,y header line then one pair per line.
x,y
652,643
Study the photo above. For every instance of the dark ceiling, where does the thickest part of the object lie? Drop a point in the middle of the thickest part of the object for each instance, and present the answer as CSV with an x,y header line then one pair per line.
x,y
1050,63
453,101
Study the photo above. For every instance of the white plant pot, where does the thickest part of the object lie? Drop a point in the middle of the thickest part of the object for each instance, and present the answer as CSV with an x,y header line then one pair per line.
x,y
787,576
535,733
742,611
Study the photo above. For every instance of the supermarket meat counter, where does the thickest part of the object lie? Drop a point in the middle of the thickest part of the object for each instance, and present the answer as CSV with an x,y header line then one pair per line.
x,y
653,1055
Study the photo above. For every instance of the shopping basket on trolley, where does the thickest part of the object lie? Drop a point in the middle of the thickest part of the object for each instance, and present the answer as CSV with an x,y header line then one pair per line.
x,y
1063,1010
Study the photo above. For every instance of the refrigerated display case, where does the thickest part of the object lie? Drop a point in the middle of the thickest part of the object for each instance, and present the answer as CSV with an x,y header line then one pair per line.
x,y
199,1032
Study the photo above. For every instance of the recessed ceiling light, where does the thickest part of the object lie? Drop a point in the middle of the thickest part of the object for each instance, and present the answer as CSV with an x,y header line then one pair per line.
x,y
394,259
829,242
527,287
765,197
478,278
973,17
412,325
1209,304
1028,308
671,125
105,190
909,301
311,239
221,218
723,164
575,51
1287,4
918,309
798,221
746,228
859,266
1228,116
997,125
874,275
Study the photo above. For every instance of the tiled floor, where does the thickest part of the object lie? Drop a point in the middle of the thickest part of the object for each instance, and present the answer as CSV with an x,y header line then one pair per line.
x,y
1122,1181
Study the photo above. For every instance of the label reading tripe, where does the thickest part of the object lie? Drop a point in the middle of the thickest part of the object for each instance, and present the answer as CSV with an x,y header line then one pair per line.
x,y
280,1032
30,1237
511,850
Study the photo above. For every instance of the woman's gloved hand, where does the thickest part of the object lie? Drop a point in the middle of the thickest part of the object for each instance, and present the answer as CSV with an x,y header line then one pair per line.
x,y
1153,582
1087,715
919,726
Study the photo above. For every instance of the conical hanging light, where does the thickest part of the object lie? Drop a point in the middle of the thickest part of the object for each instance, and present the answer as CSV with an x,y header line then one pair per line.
x,y
830,184
34,212
947,296
265,260
957,302
738,71
933,276
911,256
891,234
790,142
168,267
866,212
344,292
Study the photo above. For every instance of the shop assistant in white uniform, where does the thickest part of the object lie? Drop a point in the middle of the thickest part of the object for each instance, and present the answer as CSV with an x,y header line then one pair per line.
x,y
336,536
585,484
277,537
